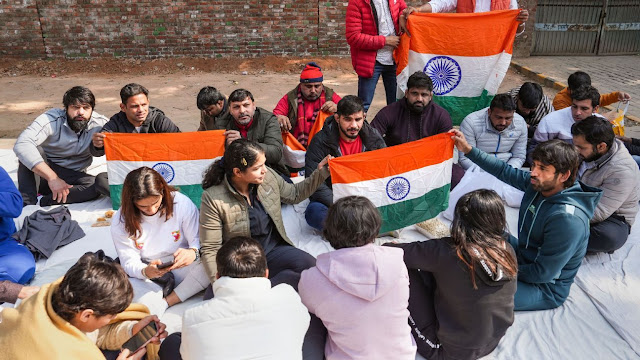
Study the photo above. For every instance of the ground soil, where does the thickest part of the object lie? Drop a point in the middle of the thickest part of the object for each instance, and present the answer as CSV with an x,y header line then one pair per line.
x,y
29,88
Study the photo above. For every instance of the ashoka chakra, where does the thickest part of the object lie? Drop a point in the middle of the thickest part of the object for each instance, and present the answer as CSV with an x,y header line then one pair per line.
x,y
165,170
444,72
398,188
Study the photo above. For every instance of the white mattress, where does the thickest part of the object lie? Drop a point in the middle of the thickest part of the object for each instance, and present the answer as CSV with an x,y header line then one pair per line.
x,y
600,319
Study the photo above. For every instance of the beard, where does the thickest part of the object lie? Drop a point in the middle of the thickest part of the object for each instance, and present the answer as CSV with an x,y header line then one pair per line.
x,y
78,123
416,107
595,156
345,132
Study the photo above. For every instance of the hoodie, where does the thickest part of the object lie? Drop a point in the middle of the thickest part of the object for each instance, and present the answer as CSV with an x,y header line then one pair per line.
x,y
470,322
553,231
361,295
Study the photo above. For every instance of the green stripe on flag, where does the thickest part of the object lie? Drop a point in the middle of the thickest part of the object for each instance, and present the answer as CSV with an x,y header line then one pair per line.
x,y
399,215
193,192
459,107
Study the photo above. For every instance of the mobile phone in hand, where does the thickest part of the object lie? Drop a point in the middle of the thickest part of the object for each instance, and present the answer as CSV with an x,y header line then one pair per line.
x,y
167,261
141,338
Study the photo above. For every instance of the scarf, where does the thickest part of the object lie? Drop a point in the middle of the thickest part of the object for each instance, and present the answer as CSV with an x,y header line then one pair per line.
x,y
303,128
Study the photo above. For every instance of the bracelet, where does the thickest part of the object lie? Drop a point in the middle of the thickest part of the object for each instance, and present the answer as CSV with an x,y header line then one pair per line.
x,y
523,28
144,272
197,254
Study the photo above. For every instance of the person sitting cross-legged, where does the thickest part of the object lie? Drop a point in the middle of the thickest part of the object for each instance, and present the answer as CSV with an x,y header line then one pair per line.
x,y
553,224
85,315
345,133
606,164
244,306
360,291
462,286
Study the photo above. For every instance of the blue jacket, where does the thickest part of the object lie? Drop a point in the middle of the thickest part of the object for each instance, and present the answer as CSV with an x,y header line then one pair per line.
x,y
10,205
552,238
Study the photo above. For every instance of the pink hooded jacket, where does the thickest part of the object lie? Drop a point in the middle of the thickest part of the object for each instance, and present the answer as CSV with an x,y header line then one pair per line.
x,y
361,295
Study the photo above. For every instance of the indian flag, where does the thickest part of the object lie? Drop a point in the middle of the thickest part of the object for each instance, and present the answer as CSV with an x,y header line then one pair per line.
x,y
466,56
408,183
181,158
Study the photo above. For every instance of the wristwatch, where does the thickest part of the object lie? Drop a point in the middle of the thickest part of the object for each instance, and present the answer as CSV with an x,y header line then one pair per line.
x,y
197,254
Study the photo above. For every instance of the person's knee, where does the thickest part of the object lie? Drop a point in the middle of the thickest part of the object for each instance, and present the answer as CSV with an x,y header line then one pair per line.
x,y
315,215
102,184
19,264
170,348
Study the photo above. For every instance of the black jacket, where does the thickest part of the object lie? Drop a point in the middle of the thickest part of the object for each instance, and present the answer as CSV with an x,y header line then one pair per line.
x,y
327,142
156,122
634,147
470,322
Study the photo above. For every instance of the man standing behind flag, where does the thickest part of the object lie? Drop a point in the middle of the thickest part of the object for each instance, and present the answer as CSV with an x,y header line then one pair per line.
x,y
299,108
344,133
372,31
553,222
415,117
465,6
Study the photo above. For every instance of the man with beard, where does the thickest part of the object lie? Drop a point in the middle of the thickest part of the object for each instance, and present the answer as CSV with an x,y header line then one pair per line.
x,y
553,223
606,164
415,117
56,148
246,120
135,116
298,109
497,130
345,133
531,104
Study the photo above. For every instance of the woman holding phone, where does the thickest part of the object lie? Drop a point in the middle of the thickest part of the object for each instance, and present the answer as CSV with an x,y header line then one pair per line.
x,y
155,233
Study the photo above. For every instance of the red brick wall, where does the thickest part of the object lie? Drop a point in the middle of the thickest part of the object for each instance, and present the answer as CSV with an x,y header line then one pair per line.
x,y
152,28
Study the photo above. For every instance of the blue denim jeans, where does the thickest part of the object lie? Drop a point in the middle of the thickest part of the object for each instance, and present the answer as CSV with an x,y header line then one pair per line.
x,y
367,86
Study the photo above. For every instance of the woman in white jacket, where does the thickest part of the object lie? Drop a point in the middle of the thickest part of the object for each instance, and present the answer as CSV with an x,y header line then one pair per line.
x,y
158,225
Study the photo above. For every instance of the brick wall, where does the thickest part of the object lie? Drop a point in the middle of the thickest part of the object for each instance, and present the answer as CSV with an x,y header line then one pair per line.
x,y
161,28
152,28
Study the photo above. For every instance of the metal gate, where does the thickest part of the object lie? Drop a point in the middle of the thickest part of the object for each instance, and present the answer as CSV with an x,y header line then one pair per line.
x,y
587,27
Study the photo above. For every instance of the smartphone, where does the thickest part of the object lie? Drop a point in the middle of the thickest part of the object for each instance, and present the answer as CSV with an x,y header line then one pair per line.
x,y
141,338
166,262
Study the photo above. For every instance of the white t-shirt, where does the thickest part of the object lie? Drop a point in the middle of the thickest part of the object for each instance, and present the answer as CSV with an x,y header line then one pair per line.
x,y
385,28
442,6
159,237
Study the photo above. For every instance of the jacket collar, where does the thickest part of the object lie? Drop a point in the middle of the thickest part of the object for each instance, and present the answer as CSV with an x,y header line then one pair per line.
x,y
227,286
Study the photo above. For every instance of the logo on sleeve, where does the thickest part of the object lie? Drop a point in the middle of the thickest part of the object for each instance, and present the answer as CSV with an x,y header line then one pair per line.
x,y
176,235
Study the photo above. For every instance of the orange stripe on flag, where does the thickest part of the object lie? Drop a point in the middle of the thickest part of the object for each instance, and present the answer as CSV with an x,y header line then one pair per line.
x,y
164,147
318,124
393,160
289,140
480,34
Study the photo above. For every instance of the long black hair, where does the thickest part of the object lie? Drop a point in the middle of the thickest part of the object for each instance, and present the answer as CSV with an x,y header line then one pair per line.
x,y
478,233
241,154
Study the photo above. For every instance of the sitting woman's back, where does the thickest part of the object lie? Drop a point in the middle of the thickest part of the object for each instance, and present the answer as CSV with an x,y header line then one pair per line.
x,y
462,286
361,290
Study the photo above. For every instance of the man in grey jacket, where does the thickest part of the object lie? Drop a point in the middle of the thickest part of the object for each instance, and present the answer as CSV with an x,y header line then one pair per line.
x,y
607,164
56,148
497,130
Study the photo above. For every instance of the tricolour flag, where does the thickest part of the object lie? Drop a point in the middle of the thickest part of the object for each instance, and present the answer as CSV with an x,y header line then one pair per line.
x,y
466,56
181,158
408,183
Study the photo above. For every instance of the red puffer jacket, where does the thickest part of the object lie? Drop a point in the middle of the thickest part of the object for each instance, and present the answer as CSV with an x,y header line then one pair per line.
x,y
362,33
